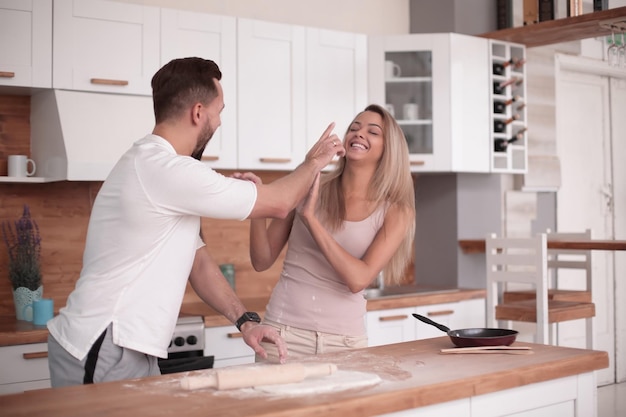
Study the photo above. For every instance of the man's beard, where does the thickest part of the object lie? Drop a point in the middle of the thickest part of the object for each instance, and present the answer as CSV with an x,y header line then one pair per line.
x,y
203,139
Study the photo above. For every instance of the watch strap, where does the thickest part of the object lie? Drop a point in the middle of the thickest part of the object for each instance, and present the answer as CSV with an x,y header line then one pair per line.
x,y
247,316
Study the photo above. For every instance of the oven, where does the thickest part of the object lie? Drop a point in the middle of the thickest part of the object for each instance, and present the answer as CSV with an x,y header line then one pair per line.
x,y
186,349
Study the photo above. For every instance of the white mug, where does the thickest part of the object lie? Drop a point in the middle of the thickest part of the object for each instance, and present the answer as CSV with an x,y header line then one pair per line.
x,y
392,69
18,166
411,111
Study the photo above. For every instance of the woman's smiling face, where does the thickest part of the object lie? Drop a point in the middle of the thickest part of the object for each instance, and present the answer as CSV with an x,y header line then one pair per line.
x,y
365,139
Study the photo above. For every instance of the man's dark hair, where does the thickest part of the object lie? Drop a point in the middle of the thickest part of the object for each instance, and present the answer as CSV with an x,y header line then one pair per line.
x,y
181,83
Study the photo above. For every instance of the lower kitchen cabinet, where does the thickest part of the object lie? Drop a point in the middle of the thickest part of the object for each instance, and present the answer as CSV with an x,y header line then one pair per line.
x,y
24,368
226,344
398,325
394,325
572,396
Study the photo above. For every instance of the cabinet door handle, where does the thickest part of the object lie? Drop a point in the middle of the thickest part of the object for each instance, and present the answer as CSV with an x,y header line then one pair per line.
x,y
416,163
393,318
104,81
7,74
440,313
235,335
35,355
210,158
275,160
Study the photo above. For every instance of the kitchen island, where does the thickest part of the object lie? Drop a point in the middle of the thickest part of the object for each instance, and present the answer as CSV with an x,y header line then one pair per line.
x,y
413,375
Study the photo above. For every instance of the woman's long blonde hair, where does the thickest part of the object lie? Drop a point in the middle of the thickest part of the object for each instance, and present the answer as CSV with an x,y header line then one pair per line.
x,y
391,184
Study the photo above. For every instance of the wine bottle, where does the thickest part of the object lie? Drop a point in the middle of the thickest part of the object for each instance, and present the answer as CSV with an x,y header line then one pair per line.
x,y
499,126
500,145
498,68
497,89
512,80
500,106
519,63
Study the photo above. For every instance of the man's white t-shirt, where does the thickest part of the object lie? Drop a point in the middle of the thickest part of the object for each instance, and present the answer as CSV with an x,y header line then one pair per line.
x,y
142,238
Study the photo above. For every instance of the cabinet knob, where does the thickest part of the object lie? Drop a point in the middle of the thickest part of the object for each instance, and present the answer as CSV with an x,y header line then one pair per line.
x,y
7,74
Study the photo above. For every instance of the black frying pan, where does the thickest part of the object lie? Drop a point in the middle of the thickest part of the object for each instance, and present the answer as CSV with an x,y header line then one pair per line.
x,y
474,337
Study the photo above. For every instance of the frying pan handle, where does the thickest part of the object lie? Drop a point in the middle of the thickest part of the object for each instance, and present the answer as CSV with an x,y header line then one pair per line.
x,y
432,323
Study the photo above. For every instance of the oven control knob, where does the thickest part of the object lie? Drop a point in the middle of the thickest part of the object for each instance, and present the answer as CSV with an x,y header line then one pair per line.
x,y
179,341
192,340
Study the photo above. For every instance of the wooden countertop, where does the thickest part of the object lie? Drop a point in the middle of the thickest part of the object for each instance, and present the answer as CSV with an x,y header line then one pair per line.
x,y
414,374
478,245
13,332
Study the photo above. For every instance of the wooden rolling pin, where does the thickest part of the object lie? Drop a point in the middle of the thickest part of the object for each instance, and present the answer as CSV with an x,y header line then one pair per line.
x,y
246,377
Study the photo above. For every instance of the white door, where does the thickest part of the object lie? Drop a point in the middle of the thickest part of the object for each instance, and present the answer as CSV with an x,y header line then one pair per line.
x,y
583,201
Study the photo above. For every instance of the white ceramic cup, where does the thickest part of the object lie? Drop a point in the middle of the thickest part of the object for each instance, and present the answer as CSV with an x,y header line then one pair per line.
x,y
411,111
392,69
18,166
390,109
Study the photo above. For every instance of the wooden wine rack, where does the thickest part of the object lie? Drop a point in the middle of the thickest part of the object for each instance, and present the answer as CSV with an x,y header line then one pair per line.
x,y
515,158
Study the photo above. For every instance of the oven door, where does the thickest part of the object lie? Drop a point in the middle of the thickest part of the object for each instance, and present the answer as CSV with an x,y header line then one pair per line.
x,y
185,361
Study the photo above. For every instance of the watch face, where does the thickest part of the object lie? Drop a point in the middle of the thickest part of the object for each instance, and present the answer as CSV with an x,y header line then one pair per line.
x,y
250,316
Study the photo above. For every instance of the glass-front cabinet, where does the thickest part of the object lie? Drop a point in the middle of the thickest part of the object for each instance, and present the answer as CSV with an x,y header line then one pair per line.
x,y
437,88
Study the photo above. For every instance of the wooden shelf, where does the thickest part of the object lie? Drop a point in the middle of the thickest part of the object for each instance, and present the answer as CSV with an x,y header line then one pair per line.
x,y
469,246
585,26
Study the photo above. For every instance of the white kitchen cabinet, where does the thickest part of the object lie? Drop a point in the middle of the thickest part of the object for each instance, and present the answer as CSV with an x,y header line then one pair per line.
x,y
336,80
105,46
385,327
440,313
469,314
191,34
398,325
443,78
26,43
24,368
226,344
271,98
572,396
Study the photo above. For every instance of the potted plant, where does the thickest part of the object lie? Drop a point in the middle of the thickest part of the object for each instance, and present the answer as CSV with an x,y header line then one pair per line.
x,y
24,248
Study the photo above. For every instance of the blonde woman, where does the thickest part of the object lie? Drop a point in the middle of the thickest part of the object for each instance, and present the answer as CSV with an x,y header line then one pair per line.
x,y
357,221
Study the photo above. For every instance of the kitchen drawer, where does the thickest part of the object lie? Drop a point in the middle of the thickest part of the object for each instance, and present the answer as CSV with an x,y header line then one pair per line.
x,y
225,342
390,326
441,313
24,363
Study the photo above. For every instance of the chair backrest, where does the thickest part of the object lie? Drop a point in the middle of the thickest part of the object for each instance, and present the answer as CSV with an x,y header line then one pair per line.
x,y
520,260
562,261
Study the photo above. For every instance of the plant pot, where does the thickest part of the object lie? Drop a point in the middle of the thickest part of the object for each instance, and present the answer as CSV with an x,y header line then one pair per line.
x,y
23,299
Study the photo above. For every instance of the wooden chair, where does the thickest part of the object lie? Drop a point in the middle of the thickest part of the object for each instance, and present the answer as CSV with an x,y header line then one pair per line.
x,y
525,261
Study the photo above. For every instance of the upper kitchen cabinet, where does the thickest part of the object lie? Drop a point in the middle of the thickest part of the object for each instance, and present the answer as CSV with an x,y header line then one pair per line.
x,y
188,34
26,43
105,46
437,87
336,80
271,98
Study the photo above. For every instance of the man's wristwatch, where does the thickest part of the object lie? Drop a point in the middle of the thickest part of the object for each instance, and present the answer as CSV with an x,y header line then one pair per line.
x,y
247,316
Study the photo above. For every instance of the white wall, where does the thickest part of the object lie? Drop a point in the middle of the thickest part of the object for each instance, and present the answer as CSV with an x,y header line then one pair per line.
x,y
372,17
